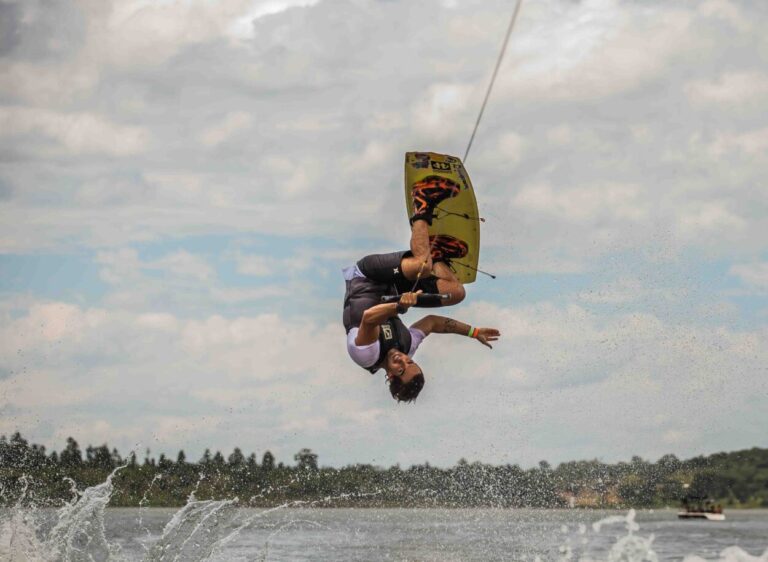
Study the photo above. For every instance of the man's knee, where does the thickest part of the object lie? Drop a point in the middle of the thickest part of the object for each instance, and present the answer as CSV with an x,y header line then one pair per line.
x,y
456,290
457,294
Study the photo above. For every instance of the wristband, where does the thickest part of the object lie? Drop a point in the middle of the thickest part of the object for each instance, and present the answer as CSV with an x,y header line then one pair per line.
x,y
401,309
473,332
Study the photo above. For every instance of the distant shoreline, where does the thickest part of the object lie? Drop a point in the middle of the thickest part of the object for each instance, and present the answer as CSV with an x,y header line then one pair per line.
x,y
28,473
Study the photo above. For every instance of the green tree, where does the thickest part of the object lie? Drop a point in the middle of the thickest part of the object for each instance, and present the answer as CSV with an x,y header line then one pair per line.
x,y
236,459
99,458
116,459
306,460
268,461
206,460
71,456
164,463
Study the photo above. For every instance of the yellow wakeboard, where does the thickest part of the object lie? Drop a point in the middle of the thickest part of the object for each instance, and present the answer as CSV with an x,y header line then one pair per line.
x,y
456,224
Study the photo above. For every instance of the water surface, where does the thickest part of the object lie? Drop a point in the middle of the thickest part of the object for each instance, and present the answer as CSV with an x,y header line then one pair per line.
x,y
458,534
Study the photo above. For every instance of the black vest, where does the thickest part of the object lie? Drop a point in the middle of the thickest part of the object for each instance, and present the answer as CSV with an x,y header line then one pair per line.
x,y
363,293
393,334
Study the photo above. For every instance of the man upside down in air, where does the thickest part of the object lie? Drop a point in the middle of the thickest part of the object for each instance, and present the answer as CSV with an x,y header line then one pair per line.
x,y
376,337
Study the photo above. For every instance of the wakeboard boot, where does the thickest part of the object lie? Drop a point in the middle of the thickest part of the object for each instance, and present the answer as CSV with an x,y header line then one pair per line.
x,y
428,194
445,248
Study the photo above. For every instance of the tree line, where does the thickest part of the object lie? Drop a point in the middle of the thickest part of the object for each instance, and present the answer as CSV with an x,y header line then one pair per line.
x,y
29,474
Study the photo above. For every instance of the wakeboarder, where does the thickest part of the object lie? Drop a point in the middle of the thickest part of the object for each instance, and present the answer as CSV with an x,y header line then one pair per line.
x,y
376,336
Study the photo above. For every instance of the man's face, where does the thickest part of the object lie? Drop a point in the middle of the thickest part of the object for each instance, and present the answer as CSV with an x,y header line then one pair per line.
x,y
401,366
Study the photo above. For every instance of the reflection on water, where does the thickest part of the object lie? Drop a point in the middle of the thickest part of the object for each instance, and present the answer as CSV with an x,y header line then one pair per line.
x,y
85,530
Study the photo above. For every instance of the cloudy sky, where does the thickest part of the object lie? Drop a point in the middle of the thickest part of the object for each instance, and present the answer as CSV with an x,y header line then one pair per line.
x,y
181,182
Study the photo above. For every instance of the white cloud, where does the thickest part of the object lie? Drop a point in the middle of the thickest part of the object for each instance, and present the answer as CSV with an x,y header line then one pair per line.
x,y
626,290
258,265
511,145
752,274
229,125
242,27
619,203
622,291
436,114
713,217
124,266
46,324
183,280
314,127
38,390
674,437
78,133
57,355
727,11
139,32
121,266
232,295
112,192
729,88
48,84
374,154
593,49
752,143
307,426
183,264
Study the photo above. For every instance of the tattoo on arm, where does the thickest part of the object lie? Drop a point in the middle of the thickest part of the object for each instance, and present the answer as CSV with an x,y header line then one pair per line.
x,y
444,325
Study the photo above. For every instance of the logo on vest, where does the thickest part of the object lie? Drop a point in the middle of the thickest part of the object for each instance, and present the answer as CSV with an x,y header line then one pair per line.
x,y
387,330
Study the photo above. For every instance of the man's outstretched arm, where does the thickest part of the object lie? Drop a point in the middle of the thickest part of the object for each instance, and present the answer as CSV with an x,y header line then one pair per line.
x,y
433,324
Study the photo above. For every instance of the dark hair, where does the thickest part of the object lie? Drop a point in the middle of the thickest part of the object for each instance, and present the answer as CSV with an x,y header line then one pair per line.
x,y
406,392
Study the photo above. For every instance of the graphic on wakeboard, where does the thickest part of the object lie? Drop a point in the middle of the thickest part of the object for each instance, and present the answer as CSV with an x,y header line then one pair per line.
x,y
447,248
455,230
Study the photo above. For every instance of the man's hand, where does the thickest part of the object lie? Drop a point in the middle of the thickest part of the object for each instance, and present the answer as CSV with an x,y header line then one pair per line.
x,y
485,335
407,300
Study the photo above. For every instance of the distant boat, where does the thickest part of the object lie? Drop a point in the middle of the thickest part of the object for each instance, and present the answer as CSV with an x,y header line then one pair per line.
x,y
701,508
701,515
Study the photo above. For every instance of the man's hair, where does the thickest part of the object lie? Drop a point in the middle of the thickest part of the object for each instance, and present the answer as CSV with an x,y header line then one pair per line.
x,y
406,392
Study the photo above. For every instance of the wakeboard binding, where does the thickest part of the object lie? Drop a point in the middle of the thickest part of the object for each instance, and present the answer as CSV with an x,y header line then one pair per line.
x,y
430,192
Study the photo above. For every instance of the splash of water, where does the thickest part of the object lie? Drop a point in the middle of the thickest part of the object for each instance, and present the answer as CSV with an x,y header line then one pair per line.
x,y
202,530
79,534
194,532
629,548
18,531
732,554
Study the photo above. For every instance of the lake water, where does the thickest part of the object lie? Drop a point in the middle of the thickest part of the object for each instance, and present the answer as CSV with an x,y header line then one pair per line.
x,y
221,531
463,534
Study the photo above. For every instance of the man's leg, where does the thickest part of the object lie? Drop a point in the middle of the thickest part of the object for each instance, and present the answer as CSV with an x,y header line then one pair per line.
x,y
419,266
448,283
427,194
420,263
416,265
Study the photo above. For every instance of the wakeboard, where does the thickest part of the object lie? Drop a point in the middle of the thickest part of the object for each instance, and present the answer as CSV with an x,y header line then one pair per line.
x,y
456,226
